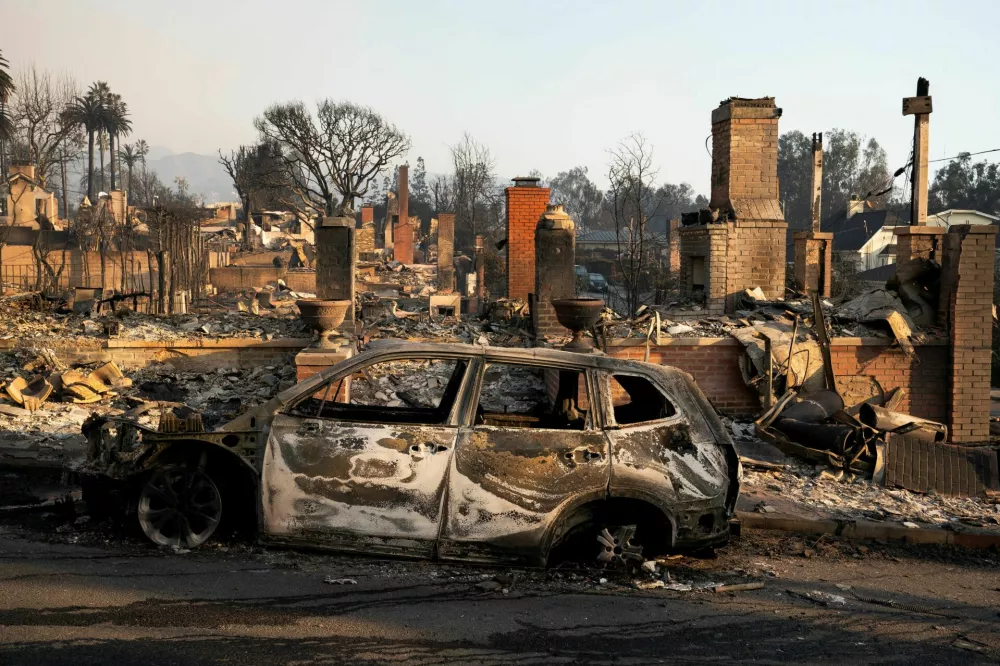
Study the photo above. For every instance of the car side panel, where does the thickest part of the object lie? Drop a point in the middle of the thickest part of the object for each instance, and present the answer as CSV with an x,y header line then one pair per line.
x,y
365,487
507,486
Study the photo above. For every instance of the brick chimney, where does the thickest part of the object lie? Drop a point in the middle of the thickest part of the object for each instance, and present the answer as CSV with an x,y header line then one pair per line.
x,y
745,159
526,202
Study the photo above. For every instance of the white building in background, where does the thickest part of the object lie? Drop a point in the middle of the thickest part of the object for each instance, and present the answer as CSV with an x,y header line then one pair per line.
x,y
948,218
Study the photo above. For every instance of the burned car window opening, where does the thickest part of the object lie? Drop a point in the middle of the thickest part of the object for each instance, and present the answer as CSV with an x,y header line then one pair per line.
x,y
402,391
522,396
637,400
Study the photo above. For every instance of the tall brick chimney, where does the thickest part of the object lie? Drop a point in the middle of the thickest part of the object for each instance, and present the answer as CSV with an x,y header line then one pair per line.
x,y
745,159
526,202
748,249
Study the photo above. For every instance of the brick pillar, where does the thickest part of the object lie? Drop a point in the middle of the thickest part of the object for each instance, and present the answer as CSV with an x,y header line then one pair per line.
x,y
673,248
970,322
919,243
813,262
402,250
526,202
403,192
336,255
446,252
366,235
555,254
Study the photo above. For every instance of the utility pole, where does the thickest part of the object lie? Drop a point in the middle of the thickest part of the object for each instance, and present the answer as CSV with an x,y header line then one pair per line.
x,y
817,179
920,108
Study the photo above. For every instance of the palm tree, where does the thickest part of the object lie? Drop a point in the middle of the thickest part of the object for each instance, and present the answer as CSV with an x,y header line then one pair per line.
x,y
101,91
142,148
117,124
6,125
89,112
129,154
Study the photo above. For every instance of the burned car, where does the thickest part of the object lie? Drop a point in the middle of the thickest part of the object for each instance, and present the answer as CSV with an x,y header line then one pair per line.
x,y
459,452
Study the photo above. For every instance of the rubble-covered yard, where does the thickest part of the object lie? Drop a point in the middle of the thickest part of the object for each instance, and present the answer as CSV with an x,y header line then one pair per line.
x,y
29,317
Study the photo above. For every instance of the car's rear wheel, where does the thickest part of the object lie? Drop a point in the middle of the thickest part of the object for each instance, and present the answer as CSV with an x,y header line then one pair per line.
x,y
179,506
618,547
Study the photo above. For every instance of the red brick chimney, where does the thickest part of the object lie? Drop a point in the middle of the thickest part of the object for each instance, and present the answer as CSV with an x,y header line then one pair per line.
x,y
526,202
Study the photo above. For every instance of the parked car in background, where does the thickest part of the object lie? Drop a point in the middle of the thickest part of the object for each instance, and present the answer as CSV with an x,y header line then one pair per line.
x,y
598,283
582,278
458,452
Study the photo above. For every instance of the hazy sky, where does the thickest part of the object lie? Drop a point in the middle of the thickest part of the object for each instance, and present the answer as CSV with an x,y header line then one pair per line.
x,y
546,84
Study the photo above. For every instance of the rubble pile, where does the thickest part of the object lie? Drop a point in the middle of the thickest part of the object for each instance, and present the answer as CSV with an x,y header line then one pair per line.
x,y
852,497
45,320
51,429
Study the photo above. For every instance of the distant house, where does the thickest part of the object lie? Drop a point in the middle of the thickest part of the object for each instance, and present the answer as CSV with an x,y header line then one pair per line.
x,y
866,238
953,216
27,201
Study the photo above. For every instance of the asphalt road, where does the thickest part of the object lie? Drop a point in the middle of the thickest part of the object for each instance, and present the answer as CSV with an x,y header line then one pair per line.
x,y
81,596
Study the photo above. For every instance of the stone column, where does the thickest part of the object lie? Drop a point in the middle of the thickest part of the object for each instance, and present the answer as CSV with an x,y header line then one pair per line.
x,y
813,262
336,256
555,254
446,252
526,202
970,282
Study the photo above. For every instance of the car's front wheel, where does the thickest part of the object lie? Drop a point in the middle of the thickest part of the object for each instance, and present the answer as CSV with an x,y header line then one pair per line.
x,y
179,506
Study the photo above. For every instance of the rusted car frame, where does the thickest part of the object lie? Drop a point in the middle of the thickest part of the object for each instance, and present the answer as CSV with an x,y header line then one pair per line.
x,y
464,485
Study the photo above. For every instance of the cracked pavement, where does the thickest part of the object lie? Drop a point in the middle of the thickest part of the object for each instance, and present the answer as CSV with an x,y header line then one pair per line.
x,y
86,598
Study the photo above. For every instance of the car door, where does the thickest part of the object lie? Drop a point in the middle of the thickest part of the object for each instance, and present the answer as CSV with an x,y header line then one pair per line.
x,y
516,470
358,474
662,449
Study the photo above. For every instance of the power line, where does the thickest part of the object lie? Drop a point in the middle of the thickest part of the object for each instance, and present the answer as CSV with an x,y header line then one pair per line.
x,y
961,155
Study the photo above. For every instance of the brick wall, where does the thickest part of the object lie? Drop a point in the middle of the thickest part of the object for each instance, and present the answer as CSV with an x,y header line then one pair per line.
x,y
524,206
187,355
714,364
971,303
756,258
924,375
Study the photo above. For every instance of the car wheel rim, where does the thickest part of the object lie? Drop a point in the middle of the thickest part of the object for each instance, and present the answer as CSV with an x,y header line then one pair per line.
x,y
179,507
617,548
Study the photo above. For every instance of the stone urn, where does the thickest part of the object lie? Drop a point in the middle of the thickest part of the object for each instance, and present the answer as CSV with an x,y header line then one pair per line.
x,y
324,317
578,315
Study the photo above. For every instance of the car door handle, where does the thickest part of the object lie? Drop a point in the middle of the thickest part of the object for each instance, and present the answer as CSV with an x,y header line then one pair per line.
x,y
428,447
310,428
583,455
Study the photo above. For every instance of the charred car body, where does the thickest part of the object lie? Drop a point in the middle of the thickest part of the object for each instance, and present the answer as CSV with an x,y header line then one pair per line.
x,y
461,452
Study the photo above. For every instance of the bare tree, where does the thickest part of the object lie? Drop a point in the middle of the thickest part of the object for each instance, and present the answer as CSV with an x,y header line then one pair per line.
x,y
442,194
239,164
630,200
42,134
340,151
474,190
